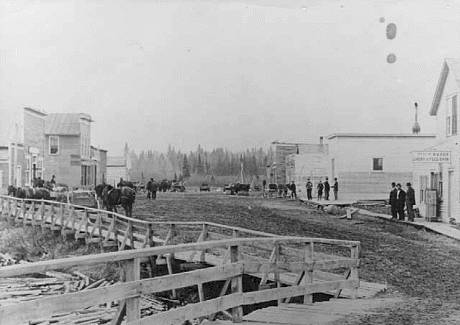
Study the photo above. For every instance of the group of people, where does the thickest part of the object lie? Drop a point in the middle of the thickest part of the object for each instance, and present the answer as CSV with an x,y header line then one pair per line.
x,y
323,186
400,199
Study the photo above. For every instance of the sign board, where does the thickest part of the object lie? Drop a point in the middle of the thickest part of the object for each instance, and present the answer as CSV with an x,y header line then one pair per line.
x,y
34,151
431,156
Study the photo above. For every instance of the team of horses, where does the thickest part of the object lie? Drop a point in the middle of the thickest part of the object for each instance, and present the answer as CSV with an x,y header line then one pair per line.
x,y
124,194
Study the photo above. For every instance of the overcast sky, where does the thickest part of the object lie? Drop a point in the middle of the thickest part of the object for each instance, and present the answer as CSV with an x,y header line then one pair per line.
x,y
226,73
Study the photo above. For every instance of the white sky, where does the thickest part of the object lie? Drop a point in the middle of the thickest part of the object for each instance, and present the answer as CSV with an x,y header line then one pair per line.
x,y
225,73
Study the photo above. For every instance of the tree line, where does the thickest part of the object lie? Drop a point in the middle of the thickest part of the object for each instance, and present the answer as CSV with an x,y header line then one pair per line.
x,y
179,165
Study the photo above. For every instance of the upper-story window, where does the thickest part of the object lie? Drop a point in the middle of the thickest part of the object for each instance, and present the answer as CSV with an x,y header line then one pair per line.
x,y
377,164
451,115
54,145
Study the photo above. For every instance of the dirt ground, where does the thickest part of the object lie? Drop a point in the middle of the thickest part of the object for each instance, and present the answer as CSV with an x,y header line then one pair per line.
x,y
421,268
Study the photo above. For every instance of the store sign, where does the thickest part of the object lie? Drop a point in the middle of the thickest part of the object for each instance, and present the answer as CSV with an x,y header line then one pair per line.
x,y
431,156
34,151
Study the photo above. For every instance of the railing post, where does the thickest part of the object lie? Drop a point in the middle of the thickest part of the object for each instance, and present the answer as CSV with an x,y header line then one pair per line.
x,y
133,273
354,271
277,251
308,279
204,238
236,285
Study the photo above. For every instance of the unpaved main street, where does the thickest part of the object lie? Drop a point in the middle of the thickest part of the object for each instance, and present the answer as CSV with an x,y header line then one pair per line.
x,y
420,267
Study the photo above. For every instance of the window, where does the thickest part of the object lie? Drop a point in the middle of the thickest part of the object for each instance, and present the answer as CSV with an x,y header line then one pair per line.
x,y
378,164
451,115
54,145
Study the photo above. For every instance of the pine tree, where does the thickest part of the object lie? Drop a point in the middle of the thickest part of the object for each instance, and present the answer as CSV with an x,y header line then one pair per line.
x,y
200,169
185,168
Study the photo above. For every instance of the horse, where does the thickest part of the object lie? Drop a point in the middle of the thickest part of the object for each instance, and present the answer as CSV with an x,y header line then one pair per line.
x,y
38,193
99,189
123,183
12,190
115,196
19,192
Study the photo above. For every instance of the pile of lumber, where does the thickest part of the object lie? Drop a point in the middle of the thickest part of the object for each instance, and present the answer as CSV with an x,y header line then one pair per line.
x,y
17,290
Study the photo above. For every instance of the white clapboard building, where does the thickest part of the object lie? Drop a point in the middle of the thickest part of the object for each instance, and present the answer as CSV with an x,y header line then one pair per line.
x,y
436,168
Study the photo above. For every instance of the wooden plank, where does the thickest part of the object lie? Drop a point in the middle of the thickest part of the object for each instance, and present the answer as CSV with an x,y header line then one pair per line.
x,y
191,311
236,286
133,273
308,275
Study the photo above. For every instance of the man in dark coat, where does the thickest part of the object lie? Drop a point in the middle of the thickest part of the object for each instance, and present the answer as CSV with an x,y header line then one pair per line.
x,y
149,188
393,201
293,190
336,189
410,202
400,201
309,187
154,190
327,188
319,188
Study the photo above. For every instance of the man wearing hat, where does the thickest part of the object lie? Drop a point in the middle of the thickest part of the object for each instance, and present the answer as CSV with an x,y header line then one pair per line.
x,y
410,202
293,190
400,201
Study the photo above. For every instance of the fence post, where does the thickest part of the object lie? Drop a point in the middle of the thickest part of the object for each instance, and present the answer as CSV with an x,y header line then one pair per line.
x,y
308,279
133,273
236,286
354,271
277,251
204,238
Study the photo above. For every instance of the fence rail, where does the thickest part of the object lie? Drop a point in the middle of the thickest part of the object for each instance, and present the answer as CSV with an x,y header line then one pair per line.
x,y
232,251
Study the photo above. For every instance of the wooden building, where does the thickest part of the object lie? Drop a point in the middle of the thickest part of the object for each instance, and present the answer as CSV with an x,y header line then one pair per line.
x,y
365,164
38,144
437,167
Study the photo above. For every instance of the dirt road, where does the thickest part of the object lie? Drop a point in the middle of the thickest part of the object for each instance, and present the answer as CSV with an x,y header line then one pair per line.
x,y
421,267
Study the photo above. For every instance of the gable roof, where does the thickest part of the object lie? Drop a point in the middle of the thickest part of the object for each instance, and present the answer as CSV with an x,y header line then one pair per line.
x,y
63,124
452,66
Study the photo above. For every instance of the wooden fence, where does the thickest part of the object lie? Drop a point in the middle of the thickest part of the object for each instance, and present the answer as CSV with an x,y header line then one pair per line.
x,y
270,257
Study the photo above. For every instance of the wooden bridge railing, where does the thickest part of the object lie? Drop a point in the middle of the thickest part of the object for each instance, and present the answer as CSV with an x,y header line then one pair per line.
x,y
233,251
232,297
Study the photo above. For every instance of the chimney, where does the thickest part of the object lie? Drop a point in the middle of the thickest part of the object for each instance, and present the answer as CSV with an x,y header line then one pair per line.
x,y
416,127
321,141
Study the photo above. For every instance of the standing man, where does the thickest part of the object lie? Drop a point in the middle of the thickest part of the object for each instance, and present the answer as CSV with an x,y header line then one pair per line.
x,y
319,188
327,188
400,201
149,189
154,190
264,184
393,201
410,202
293,190
309,187
53,181
336,189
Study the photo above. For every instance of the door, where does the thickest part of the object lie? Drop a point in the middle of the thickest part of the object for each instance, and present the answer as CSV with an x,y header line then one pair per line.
x,y
450,184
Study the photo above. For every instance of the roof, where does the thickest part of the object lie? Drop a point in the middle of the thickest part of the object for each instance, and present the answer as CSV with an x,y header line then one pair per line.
x,y
450,65
64,123
377,135
116,161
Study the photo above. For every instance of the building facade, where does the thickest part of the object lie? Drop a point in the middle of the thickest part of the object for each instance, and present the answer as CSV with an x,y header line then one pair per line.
x,y
437,167
118,167
365,164
42,145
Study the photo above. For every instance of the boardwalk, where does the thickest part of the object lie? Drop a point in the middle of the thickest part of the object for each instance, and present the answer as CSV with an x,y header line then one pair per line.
x,y
299,263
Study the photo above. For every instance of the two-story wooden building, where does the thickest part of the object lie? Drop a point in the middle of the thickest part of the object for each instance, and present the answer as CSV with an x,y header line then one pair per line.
x,y
437,167
38,144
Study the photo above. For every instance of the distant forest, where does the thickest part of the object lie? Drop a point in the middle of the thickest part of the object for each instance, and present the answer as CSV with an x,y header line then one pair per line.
x,y
204,164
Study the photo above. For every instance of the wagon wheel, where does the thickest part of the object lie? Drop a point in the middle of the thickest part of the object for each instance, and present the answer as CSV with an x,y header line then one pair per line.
x,y
61,198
